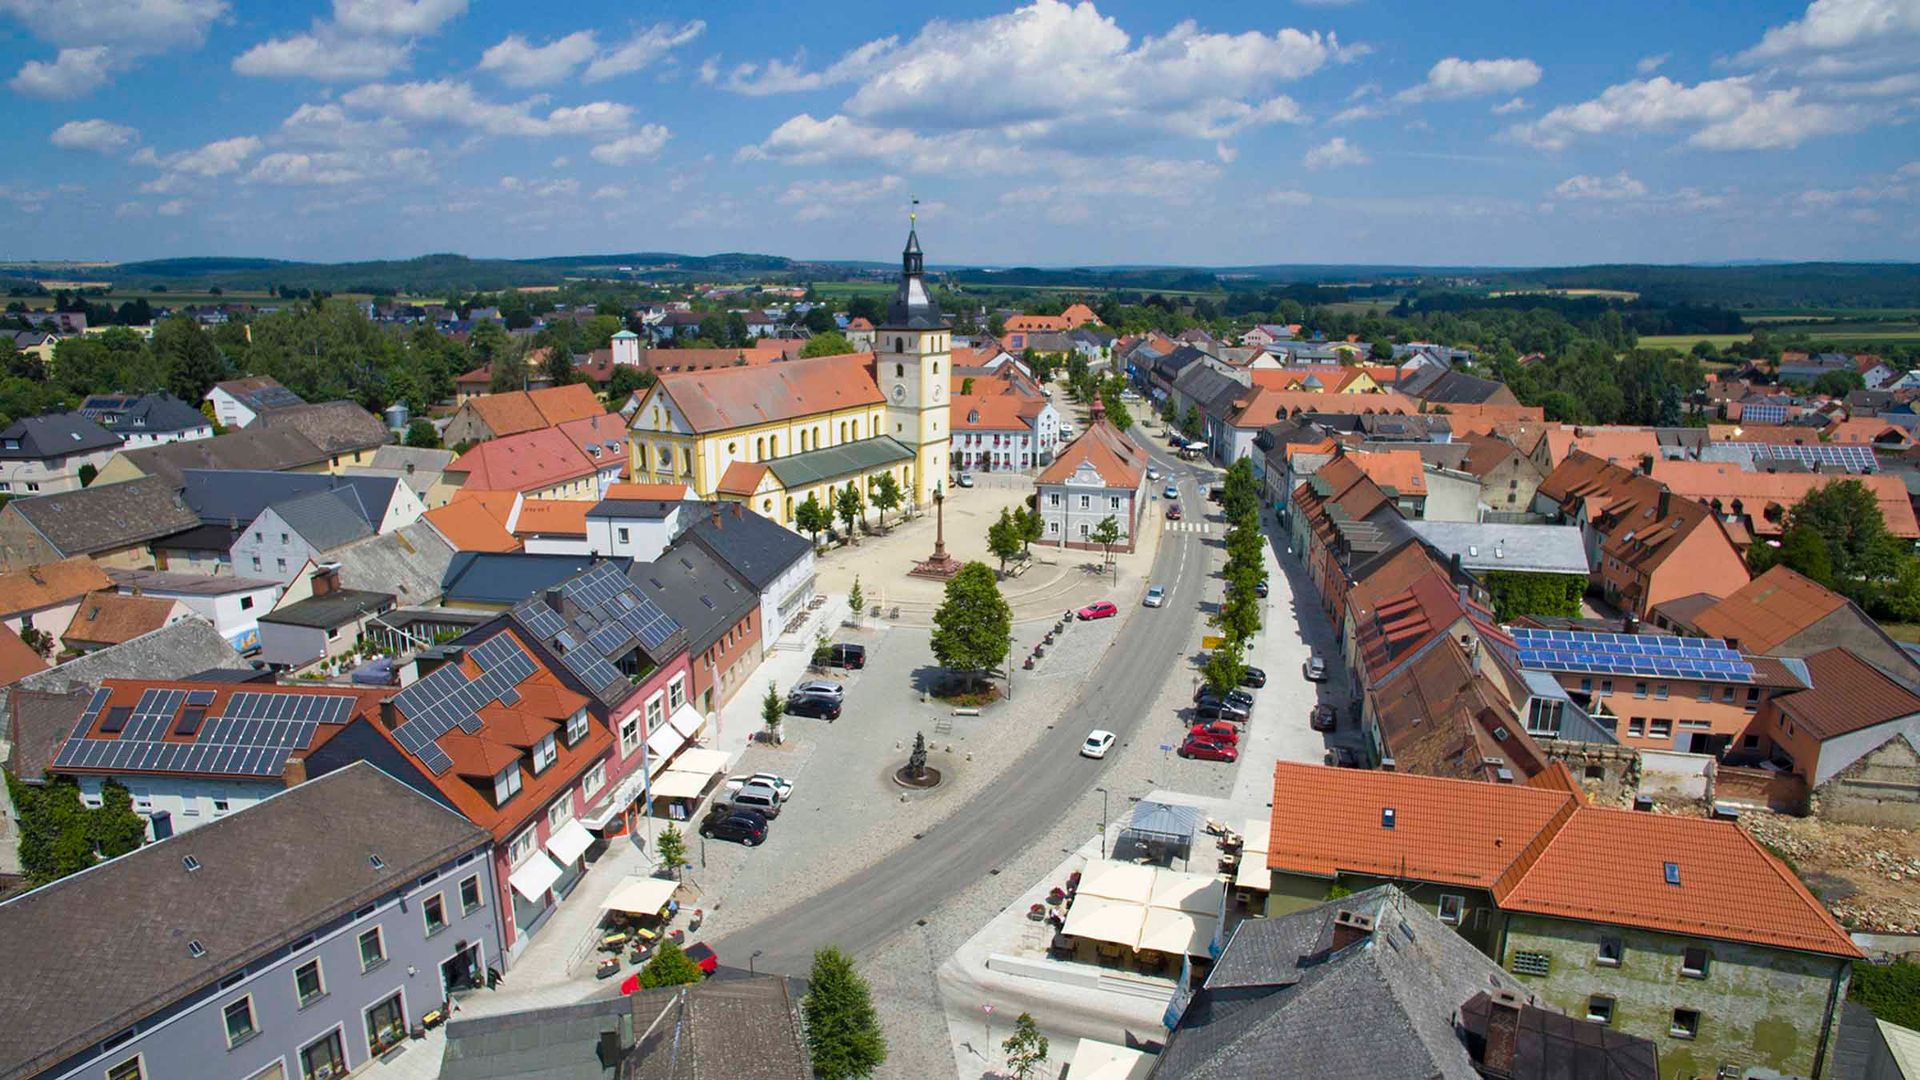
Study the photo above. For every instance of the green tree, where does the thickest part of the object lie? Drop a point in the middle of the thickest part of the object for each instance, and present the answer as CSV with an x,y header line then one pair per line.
x,y
773,711
1225,666
831,343
1004,538
188,356
856,599
1239,614
1106,534
1032,527
811,517
849,504
843,1031
1191,425
1847,517
886,495
973,623
672,850
1838,383
421,433
1117,412
1026,1048
626,379
966,385
61,835
670,966
558,367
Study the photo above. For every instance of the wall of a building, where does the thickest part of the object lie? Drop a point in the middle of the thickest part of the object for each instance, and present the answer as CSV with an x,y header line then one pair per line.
x,y
294,646
44,477
1881,787
1451,497
188,801
723,667
271,549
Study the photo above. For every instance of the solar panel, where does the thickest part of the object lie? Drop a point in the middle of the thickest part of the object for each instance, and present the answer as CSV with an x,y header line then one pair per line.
x,y
1631,654
1827,456
446,698
1764,414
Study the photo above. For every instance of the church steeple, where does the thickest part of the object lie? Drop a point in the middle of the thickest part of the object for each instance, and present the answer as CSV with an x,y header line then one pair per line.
x,y
912,307
910,264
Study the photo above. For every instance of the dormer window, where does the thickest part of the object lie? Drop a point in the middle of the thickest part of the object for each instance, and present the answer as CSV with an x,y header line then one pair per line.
x,y
577,723
545,753
507,784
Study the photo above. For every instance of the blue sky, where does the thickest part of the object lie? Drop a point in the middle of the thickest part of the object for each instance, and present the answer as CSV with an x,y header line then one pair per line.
x,y
1052,133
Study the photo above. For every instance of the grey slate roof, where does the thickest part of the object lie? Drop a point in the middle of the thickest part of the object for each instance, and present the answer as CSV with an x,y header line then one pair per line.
x,y
250,896
337,608
255,447
409,562
1554,1046
414,466
227,496
172,652
835,462
696,589
560,1043
260,393
107,516
1213,390
34,438
507,577
1537,549
336,427
166,581
1444,386
752,546
327,519
740,1029
912,307
156,413
39,726
1277,1004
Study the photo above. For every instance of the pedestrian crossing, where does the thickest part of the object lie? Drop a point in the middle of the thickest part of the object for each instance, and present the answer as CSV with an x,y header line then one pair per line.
x,y
1190,526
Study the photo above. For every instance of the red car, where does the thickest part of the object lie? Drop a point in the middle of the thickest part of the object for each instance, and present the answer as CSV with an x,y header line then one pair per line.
x,y
1101,610
1221,730
1324,718
699,952
1208,749
1173,513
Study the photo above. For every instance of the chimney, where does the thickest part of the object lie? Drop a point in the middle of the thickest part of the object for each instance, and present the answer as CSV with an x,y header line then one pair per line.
x,y
1630,624
1386,764
295,773
1349,927
610,1052
739,511
716,515
1503,1033
1666,499
390,717
326,580
556,600
1643,803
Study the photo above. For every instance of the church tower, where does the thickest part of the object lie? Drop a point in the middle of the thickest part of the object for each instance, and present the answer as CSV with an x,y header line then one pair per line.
x,y
913,361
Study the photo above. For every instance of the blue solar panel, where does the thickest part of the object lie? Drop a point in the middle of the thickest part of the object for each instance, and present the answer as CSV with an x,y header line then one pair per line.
x,y
1659,656
1827,456
446,698
1764,414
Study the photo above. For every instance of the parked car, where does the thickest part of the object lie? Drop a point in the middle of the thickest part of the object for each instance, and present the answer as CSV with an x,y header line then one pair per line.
x,y
1153,475
1100,609
847,655
746,827
762,779
703,957
1171,492
1173,511
1216,493
966,479
763,801
1156,595
1098,743
1208,749
1254,677
1220,710
1324,718
1316,669
813,706
1237,697
825,688
733,794
1343,757
1260,589
1217,729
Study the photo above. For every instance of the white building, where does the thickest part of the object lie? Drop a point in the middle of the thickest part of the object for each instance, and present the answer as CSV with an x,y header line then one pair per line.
x,y
1099,475
232,604
1003,433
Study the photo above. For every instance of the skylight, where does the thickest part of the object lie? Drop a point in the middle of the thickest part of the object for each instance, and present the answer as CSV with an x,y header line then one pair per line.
x,y
1673,873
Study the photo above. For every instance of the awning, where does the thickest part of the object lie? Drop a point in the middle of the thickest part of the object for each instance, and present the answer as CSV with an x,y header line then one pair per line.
x,y
1252,873
680,784
1112,921
534,877
1118,881
687,721
569,842
640,895
1179,933
1179,891
663,741
612,806
702,760
1094,1060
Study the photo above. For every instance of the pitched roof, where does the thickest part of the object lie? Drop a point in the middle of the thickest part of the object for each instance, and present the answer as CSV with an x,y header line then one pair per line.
x,y
1847,695
1439,716
1765,497
741,478
1269,406
528,461
48,584
108,618
260,393
408,562
246,900
1120,462
698,590
1621,446
645,492
1402,470
335,427
992,412
751,546
744,396
485,577
600,438
834,462
553,517
255,447
158,412
174,651
476,521
528,410
39,722
34,438
17,659
326,519
107,516
236,496
1768,611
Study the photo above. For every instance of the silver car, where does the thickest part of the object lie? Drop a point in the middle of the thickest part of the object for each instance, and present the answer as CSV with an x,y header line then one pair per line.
x,y
1156,595
818,688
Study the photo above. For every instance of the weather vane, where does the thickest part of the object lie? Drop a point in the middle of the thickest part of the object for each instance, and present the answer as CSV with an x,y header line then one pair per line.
x,y
913,216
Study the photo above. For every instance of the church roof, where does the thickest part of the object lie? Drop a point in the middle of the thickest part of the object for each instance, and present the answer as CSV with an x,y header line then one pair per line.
x,y
912,307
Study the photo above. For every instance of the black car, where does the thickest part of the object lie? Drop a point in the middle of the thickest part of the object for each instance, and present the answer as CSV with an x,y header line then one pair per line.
x,y
1324,718
1260,589
746,826
847,656
1254,677
813,705
1214,709
1236,697
1343,757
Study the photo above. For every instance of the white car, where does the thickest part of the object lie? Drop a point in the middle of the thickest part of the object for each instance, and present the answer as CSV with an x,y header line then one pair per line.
x,y
1153,474
1156,595
1097,744
818,688
780,784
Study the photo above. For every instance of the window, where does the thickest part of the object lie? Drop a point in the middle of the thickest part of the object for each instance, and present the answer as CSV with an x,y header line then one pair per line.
x,y
545,753
435,912
308,985
1640,689
1531,963
1606,686
507,784
1705,694
285,539
629,734
239,1018
386,1026
1451,908
677,693
1083,528
1543,717
1600,1009
1661,729
1660,691
373,949
1086,501
577,727
559,813
521,847
1053,498
1693,963
220,806
1686,1023
1636,726
324,1060
1612,951
256,562
280,565
1726,694
246,603
127,1070
621,533
656,713
470,896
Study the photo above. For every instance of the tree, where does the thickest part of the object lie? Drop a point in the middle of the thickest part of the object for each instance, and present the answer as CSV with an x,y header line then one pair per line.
x,y
811,517
558,367
1191,424
973,623
843,1031
1838,383
61,835
626,379
1026,1048
421,433
1847,517
966,385
672,850
849,504
1032,527
856,599
1225,666
831,343
886,495
1117,412
773,711
670,966
188,356
1106,534
819,320
1802,550
1005,538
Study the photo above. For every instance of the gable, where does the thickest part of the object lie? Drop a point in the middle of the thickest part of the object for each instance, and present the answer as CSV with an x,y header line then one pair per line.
x,y
658,412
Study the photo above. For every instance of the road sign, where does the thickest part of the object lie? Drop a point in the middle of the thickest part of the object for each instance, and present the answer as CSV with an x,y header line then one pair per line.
x,y
1212,641
1166,746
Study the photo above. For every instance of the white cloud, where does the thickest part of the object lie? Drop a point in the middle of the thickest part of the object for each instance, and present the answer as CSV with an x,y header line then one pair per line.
x,y
1864,31
400,18
332,168
1334,153
1650,64
804,140
329,125
643,143
72,73
562,162
610,193
213,159
519,62
541,188
1287,197
1723,114
324,55
99,136
449,101
643,48
1456,78
819,199
171,208
1511,105
791,76
1605,188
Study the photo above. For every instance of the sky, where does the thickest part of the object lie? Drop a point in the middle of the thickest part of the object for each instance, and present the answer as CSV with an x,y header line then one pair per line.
x,y
1050,133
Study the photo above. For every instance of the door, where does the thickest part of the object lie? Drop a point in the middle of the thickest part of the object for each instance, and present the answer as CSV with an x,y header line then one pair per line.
x,y
386,1025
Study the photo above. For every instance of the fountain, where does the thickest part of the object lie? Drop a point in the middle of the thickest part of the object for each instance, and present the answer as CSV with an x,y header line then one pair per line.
x,y
916,773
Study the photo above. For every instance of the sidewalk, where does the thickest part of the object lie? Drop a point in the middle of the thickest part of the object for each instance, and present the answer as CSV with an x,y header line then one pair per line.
x,y
783,662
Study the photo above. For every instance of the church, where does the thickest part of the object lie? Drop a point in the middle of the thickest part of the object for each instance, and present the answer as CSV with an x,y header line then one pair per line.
x,y
770,435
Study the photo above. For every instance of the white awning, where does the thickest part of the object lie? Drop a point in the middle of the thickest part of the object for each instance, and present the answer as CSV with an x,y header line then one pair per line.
x,y
1104,1061
680,784
662,742
534,877
1178,890
687,720
1118,881
701,760
612,806
1252,873
1176,932
640,895
1111,921
569,842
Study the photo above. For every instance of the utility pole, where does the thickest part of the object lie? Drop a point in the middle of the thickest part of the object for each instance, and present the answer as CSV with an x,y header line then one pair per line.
x,y
1103,821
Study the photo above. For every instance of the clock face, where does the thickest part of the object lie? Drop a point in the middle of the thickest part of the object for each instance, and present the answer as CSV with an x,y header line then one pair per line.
x,y
899,392
936,391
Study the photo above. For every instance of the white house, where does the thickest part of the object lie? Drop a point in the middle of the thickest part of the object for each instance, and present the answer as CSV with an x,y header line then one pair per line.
x,y
239,402
635,522
1099,475
232,604
1003,432
290,533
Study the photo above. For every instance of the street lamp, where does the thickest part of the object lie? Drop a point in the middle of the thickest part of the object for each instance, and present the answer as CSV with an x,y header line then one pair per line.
x,y
1103,821
1009,667
751,959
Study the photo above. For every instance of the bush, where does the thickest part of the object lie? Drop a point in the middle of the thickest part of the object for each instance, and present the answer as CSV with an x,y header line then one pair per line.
x,y
1890,991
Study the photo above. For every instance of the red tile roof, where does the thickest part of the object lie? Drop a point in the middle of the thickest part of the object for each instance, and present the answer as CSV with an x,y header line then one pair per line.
x,y
1769,610
664,492
1120,461
1765,497
1848,694
476,521
48,584
17,659
741,478
997,412
553,517
108,618
739,397
1401,470
528,461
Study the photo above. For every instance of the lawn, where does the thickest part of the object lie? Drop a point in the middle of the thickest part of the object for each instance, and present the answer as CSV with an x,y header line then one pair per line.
x,y
1866,335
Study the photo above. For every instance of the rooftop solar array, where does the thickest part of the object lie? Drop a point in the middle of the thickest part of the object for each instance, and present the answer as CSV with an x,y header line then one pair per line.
x,y
609,614
1763,414
1655,655
253,736
1829,457
446,698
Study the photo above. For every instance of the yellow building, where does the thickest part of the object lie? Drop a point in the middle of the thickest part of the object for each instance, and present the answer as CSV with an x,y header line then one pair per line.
x,y
771,434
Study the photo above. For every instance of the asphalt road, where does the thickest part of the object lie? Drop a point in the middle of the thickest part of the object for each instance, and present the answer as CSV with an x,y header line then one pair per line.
x,y
862,912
